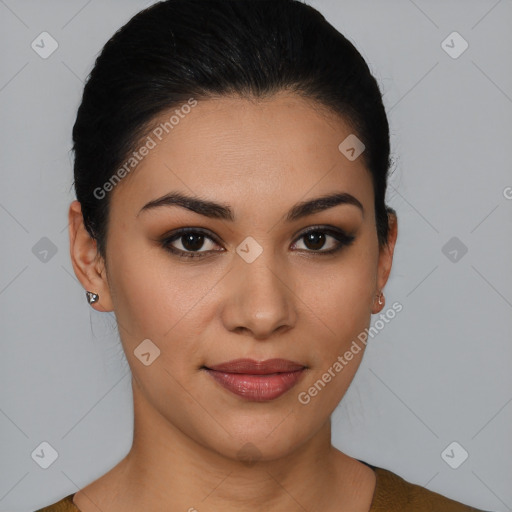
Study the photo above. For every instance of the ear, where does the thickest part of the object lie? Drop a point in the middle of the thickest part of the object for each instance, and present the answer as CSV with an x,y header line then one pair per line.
x,y
386,258
87,263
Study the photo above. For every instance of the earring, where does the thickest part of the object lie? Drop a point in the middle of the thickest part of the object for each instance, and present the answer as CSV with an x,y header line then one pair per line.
x,y
381,296
92,297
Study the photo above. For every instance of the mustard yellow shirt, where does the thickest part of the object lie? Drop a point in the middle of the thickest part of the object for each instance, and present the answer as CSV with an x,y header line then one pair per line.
x,y
392,494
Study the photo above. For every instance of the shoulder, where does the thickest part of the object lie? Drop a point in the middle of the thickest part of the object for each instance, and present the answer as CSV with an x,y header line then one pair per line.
x,y
394,494
64,505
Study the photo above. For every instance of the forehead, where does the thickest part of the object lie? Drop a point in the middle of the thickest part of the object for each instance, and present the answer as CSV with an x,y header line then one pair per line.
x,y
236,148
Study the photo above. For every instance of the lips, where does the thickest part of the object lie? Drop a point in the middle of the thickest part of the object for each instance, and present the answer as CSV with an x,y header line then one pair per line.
x,y
257,380
252,367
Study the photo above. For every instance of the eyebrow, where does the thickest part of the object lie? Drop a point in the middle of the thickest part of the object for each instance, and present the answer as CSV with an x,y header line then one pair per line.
x,y
215,210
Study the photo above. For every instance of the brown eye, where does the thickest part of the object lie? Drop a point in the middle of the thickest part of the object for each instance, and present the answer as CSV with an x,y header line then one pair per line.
x,y
191,242
316,238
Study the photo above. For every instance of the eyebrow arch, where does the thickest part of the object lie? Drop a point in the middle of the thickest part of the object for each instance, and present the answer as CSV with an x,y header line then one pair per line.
x,y
223,211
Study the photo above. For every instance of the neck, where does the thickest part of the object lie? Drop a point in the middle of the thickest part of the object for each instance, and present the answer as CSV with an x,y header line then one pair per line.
x,y
168,470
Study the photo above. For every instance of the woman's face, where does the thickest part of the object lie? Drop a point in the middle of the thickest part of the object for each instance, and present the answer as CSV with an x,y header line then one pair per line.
x,y
258,287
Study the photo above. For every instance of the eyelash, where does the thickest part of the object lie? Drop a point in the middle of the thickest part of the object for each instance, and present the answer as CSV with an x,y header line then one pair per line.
x,y
344,240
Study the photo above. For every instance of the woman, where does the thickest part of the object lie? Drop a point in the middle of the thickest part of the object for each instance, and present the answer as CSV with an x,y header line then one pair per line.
x,y
231,161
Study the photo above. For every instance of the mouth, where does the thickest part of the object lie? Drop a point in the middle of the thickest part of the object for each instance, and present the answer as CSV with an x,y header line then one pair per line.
x,y
257,381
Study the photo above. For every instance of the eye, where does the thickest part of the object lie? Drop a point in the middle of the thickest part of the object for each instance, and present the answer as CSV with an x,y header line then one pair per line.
x,y
191,241
316,238
188,242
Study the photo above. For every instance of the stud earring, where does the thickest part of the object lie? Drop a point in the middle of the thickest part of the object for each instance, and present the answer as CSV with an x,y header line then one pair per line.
x,y
381,296
92,297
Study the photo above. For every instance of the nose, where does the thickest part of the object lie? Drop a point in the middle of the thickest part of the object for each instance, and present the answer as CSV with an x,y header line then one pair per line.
x,y
260,301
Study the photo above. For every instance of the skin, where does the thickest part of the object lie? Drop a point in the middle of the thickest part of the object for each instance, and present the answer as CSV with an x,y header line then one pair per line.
x,y
260,157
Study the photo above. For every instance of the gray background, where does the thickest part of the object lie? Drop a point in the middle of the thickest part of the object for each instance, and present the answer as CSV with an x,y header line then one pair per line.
x,y
439,372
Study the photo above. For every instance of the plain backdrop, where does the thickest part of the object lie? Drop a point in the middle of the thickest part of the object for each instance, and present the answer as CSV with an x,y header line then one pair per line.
x,y
438,373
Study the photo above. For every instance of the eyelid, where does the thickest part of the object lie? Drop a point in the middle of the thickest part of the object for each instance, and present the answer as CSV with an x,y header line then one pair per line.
x,y
341,236
325,228
178,233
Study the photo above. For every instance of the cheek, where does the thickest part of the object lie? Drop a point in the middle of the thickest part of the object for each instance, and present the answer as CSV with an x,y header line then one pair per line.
x,y
144,293
157,300
341,299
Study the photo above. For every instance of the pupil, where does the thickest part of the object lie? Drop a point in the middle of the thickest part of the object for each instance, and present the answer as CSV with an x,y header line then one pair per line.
x,y
188,241
315,240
